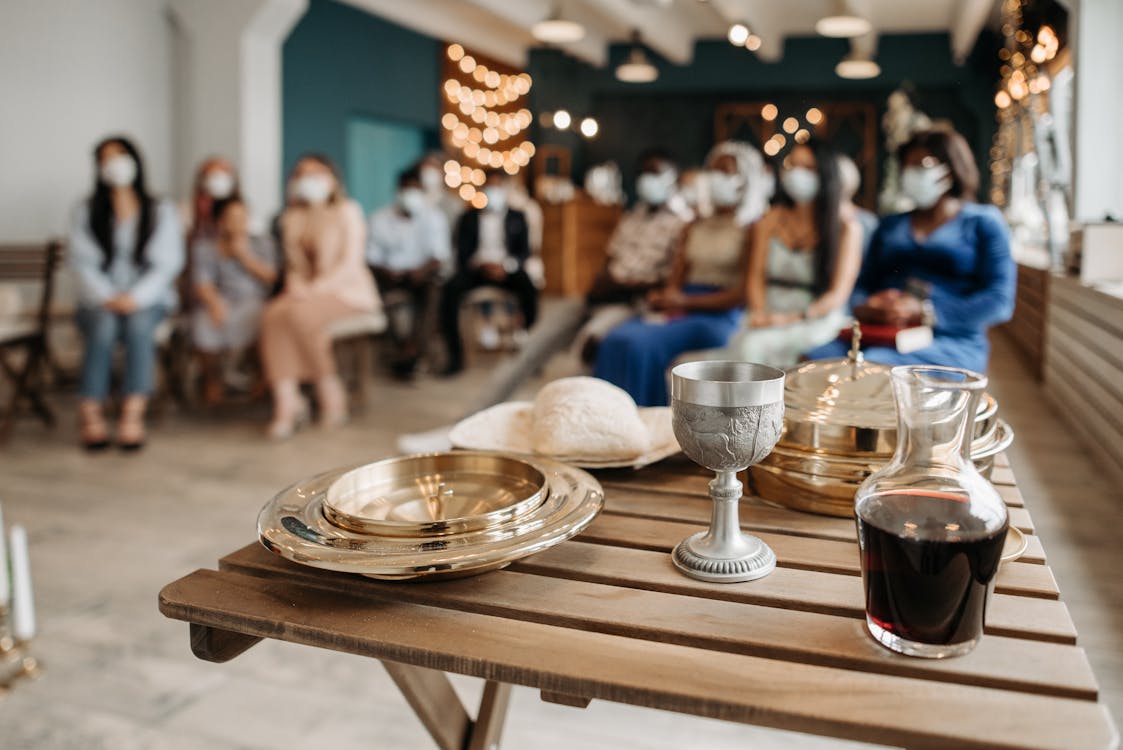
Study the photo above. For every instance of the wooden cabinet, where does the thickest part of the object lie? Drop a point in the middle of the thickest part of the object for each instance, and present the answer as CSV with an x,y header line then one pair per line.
x,y
574,237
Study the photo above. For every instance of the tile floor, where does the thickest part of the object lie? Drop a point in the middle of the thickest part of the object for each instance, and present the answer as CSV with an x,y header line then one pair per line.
x,y
108,531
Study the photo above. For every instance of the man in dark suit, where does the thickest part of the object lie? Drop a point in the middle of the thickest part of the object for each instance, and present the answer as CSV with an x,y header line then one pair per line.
x,y
492,246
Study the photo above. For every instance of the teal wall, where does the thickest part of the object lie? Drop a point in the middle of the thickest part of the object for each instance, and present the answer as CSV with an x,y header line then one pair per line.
x,y
341,65
677,110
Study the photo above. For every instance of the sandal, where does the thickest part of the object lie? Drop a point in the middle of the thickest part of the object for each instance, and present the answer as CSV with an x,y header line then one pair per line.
x,y
92,426
131,433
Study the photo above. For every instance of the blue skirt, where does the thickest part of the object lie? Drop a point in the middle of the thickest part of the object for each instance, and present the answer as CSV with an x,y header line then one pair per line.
x,y
635,355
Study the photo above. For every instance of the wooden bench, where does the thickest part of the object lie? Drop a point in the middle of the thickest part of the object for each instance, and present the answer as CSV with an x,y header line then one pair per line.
x,y
606,617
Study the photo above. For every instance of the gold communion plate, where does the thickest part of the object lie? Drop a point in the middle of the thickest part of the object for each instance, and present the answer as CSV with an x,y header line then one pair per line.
x,y
295,524
436,494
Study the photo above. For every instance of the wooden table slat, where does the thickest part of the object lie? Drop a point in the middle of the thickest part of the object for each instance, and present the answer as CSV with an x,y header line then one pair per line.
x,y
823,700
759,516
789,588
1024,579
825,640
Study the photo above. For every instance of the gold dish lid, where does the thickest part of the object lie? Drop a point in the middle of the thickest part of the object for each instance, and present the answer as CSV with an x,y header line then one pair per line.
x,y
847,391
434,494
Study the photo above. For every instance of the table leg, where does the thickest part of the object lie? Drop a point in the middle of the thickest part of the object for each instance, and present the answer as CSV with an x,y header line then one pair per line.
x,y
431,696
212,644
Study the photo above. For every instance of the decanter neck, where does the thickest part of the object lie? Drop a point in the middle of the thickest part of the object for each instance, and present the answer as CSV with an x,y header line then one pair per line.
x,y
935,419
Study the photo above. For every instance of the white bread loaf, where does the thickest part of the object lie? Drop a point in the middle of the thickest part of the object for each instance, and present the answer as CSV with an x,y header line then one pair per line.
x,y
587,418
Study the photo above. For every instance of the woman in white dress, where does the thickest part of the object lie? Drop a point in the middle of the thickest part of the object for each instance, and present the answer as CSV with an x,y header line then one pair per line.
x,y
804,258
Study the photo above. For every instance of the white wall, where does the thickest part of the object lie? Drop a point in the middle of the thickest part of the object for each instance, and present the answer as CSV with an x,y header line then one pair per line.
x,y
1099,109
74,71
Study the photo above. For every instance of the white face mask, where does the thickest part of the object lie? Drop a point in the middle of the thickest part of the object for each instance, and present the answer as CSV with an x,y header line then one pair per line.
x,y
800,183
219,184
654,188
118,171
496,198
314,188
924,186
431,179
725,188
412,200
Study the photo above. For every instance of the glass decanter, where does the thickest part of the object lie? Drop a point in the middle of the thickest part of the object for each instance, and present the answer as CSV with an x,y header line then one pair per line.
x,y
930,527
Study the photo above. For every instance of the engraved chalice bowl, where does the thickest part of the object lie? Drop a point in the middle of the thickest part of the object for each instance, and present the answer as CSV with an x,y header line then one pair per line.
x,y
727,416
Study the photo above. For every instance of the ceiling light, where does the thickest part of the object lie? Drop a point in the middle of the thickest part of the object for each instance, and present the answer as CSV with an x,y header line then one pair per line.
x,y
589,127
637,68
557,30
856,67
753,43
738,34
843,22
562,119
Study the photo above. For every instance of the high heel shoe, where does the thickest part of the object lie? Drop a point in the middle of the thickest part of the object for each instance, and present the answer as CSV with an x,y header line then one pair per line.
x,y
282,428
92,426
131,432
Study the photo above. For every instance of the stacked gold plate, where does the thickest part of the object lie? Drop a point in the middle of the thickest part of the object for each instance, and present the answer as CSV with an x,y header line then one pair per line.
x,y
437,515
840,426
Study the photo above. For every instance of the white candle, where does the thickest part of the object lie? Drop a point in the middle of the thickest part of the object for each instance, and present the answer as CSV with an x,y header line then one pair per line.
x,y
5,581
23,602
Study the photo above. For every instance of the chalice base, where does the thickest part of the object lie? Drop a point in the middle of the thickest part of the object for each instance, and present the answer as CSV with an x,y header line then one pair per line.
x,y
756,561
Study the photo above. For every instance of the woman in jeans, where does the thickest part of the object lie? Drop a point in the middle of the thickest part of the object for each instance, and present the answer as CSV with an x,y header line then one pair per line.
x,y
127,249
323,236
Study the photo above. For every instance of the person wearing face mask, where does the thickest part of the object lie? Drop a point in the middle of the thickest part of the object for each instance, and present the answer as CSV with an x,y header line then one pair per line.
x,y
639,253
642,245
127,250
806,252
407,249
492,247
231,275
946,264
215,180
699,307
440,196
323,239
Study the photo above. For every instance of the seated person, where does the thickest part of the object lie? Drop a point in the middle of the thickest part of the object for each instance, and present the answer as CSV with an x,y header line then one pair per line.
x,y
947,262
642,244
851,179
492,246
407,248
699,308
231,274
805,256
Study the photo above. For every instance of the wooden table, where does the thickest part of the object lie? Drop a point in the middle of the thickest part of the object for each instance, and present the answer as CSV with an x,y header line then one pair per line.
x,y
607,617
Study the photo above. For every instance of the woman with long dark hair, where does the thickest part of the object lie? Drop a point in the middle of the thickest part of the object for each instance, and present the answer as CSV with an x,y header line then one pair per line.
x,y
323,236
127,249
946,264
805,255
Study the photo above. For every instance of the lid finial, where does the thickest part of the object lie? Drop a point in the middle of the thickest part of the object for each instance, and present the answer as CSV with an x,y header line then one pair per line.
x,y
856,356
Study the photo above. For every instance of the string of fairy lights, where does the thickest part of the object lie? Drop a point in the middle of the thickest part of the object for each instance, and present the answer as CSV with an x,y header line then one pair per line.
x,y
790,130
484,124
1019,92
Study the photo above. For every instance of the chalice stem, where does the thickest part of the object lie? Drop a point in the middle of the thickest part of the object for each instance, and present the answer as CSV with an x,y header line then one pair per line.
x,y
724,537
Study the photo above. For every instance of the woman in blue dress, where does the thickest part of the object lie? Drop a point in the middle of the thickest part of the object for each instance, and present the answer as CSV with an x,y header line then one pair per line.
x,y
701,306
946,264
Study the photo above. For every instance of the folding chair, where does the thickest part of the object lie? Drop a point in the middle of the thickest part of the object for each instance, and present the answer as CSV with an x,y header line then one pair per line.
x,y
26,333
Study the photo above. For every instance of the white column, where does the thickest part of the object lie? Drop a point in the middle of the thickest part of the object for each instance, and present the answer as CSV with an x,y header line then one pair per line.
x,y
229,60
1099,109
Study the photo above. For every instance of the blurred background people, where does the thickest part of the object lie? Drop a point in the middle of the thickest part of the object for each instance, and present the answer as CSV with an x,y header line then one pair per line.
x,y
407,249
440,196
639,253
701,305
806,252
492,247
326,279
946,264
216,180
126,247
232,273
759,182
850,180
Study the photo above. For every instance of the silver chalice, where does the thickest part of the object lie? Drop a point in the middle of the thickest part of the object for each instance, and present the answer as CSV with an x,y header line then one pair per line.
x,y
727,417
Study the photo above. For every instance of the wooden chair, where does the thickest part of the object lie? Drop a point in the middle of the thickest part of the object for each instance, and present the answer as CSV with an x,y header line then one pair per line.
x,y
27,333
353,341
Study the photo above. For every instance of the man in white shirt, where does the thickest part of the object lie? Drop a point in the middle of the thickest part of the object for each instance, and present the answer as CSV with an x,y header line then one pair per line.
x,y
492,247
407,248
